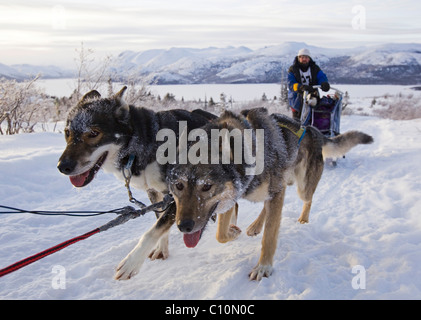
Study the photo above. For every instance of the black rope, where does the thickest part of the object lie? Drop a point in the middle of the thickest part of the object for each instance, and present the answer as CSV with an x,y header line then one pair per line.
x,y
124,214
12,210
163,205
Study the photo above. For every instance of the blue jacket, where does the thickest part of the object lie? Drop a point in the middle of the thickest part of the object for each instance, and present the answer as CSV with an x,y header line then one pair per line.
x,y
294,82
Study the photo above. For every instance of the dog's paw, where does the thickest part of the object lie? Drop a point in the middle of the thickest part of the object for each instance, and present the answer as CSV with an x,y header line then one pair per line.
x,y
302,220
234,232
159,253
127,268
254,229
260,271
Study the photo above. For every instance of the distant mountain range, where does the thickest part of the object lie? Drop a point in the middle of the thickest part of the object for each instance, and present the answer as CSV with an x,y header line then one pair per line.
x,y
25,71
383,64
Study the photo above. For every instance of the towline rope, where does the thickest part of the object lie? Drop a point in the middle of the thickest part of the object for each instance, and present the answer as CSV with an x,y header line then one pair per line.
x,y
125,214
12,210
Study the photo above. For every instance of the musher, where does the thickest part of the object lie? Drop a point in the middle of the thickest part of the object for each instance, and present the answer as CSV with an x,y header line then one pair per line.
x,y
302,75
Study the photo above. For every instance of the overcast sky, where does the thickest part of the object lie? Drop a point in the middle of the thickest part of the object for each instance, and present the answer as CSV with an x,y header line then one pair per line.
x,y
48,32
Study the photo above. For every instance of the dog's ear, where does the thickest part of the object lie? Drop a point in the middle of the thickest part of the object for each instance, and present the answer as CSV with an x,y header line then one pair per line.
x,y
119,95
122,111
91,95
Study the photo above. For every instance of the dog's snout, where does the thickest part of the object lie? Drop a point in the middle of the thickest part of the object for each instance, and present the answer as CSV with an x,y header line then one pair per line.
x,y
66,166
186,225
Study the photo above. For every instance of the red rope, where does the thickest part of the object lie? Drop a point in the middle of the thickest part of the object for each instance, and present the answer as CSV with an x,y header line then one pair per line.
x,y
38,256
125,214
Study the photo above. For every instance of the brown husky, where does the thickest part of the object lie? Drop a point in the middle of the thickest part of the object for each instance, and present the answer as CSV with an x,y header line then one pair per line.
x,y
203,189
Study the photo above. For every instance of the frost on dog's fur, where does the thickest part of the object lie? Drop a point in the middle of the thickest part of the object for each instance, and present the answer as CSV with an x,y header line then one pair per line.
x,y
82,121
284,161
104,132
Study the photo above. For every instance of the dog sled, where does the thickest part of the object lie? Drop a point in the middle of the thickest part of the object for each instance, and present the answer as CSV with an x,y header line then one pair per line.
x,y
324,113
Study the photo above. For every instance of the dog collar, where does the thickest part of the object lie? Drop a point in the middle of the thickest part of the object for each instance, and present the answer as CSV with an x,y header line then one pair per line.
x,y
130,162
127,174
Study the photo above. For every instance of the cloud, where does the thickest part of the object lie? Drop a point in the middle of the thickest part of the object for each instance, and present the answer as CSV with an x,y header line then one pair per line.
x,y
110,26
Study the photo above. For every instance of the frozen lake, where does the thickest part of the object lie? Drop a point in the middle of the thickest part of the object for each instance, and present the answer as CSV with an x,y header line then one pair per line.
x,y
238,92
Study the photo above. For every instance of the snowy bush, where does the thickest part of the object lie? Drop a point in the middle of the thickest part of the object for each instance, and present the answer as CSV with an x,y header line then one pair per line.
x,y
22,105
398,107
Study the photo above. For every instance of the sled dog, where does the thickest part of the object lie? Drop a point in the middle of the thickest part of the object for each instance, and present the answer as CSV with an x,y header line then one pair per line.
x,y
204,190
105,133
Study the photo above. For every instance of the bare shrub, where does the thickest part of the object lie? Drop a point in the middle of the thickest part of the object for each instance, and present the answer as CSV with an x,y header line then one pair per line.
x,y
90,74
22,105
400,107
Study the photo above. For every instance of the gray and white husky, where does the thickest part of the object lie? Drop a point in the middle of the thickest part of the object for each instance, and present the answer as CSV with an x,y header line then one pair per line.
x,y
203,189
106,132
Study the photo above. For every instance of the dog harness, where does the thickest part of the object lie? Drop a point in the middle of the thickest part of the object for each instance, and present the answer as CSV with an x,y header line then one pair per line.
x,y
300,133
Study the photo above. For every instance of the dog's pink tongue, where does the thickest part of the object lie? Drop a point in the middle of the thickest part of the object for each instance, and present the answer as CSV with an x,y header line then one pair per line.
x,y
191,240
79,180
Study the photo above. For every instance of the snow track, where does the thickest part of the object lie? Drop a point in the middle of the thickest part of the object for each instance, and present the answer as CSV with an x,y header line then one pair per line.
x,y
366,212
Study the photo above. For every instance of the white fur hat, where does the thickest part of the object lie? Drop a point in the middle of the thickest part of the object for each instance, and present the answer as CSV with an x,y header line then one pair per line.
x,y
304,52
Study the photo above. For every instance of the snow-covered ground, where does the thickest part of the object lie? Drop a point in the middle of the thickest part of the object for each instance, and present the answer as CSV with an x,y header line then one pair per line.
x,y
363,240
